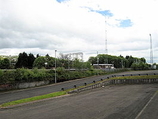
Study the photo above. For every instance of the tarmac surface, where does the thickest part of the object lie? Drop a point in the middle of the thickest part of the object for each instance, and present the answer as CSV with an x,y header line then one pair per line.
x,y
26,93
110,102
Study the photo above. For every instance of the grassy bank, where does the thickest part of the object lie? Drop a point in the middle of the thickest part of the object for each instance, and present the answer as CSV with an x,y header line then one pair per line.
x,y
36,98
136,77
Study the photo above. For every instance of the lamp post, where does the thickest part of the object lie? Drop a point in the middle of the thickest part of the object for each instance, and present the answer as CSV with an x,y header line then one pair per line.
x,y
55,67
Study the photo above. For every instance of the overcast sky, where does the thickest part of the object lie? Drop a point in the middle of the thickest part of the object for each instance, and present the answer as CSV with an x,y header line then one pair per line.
x,y
70,26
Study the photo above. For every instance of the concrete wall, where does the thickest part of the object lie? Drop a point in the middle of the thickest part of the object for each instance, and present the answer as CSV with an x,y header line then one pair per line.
x,y
30,84
23,85
115,82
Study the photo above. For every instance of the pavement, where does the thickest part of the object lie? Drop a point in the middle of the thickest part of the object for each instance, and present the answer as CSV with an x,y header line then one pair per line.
x,y
110,102
26,93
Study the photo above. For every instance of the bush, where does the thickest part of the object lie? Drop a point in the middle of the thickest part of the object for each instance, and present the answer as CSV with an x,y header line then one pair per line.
x,y
6,77
140,66
30,75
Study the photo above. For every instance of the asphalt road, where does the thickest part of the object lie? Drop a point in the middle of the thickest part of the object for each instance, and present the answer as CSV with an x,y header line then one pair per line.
x,y
110,102
26,93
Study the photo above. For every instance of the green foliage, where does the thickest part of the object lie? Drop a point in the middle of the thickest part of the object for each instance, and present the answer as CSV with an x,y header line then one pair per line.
x,y
135,77
42,61
39,62
2,81
30,75
118,61
60,70
50,95
77,64
139,66
5,63
6,77
25,60
27,75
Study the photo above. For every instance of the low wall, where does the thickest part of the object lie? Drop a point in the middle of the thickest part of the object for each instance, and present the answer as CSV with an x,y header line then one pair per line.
x,y
23,85
115,82
30,84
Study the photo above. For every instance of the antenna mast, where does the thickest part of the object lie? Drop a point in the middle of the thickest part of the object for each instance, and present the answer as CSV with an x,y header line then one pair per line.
x,y
151,51
106,49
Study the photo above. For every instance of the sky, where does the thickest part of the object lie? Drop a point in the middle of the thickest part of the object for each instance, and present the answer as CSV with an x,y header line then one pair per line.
x,y
72,26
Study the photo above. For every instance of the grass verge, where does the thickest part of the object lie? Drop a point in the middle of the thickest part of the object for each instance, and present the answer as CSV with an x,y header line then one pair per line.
x,y
135,77
36,98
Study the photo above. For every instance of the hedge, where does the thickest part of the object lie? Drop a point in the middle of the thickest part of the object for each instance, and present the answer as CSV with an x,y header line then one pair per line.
x,y
30,75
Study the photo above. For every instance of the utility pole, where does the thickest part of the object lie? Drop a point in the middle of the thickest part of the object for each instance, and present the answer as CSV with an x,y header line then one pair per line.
x,y
97,59
55,67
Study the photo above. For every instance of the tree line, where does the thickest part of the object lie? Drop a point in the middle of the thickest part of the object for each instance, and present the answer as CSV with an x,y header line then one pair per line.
x,y
121,62
30,61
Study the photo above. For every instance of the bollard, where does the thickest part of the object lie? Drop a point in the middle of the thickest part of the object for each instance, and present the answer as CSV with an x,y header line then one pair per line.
x,y
75,86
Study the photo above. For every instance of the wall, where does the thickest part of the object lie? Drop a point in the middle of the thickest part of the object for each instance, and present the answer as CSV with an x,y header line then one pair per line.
x,y
23,85
115,82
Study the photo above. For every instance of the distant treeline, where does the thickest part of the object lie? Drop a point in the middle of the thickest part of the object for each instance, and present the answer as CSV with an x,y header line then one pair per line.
x,y
121,62
24,60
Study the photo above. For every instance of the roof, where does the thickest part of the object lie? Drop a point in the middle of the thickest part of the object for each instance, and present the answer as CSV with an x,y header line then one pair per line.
x,y
103,64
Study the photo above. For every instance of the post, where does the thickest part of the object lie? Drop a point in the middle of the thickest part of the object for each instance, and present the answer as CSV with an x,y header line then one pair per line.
x,y
55,67
97,60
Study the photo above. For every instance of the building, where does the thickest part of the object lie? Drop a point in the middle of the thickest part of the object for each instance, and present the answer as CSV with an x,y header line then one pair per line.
x,y
103,66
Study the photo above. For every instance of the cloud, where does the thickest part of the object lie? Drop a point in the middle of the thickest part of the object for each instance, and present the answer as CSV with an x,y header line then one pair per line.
x,y
41,26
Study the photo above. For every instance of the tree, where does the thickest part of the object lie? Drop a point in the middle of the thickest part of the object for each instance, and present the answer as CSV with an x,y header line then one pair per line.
x,y
39,62
22,60
44,61
5,63
140,66
77,64
31,60
118,61
92,60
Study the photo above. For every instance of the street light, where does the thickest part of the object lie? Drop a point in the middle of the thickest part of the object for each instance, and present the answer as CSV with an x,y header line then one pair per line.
x,y
55,67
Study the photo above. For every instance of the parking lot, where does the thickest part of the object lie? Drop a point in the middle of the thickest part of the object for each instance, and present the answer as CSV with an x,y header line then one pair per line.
x,y
110,102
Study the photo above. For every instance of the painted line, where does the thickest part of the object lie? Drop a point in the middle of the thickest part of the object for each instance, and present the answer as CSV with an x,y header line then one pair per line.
x,y
146,105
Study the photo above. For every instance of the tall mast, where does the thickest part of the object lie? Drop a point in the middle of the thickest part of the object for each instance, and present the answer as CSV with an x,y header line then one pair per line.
x,y
106,48
151,51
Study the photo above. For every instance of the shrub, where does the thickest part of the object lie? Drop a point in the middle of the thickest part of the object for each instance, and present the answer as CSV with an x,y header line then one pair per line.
x,y
30,75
